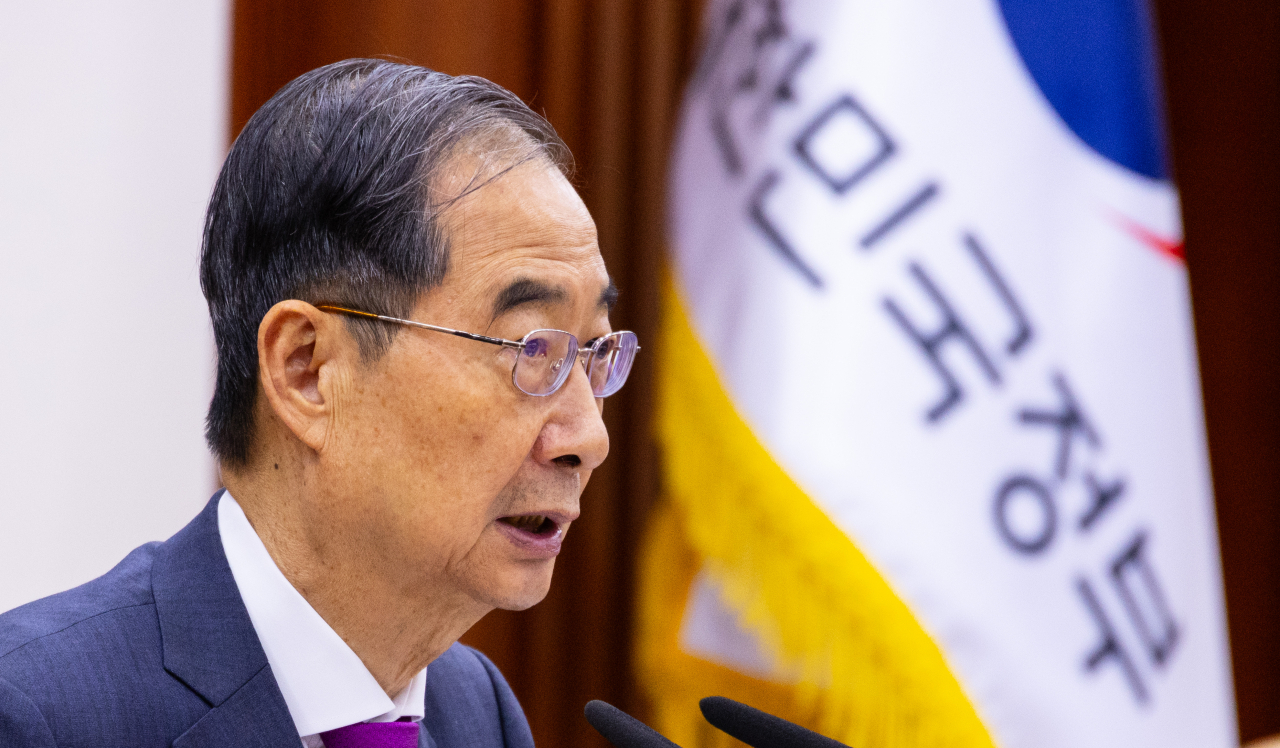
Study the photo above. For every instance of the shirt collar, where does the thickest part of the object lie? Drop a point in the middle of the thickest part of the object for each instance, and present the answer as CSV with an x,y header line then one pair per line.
x,y
324,683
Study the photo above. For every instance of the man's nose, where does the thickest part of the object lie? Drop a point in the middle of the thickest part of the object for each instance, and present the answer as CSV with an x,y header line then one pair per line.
x,y
575,428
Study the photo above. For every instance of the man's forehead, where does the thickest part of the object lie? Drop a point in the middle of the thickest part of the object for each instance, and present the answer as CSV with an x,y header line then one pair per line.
x,y
530,200
526,237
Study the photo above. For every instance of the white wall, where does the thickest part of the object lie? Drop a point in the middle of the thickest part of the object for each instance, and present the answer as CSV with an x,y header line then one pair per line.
x,y
112,128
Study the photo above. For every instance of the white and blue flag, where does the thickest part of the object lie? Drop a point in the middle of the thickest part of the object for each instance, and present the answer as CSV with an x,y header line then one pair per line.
x,y
929,255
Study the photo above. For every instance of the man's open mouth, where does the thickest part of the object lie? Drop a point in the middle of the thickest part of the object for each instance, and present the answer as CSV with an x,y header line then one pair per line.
x,y
536,524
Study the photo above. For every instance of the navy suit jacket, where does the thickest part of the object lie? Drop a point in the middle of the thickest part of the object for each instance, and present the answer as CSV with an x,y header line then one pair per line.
x,y
160,651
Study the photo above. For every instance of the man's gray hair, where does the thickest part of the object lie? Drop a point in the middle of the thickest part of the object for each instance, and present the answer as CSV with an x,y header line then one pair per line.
x,y
329,196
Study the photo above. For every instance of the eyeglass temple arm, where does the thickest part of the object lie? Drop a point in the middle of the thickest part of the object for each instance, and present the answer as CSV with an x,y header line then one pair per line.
x,y
423,325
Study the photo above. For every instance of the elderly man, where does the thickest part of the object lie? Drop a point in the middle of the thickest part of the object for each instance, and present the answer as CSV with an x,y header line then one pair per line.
x,y
411,315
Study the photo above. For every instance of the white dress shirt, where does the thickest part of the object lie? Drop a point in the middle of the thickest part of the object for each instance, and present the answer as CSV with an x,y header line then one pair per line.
x,y
324,683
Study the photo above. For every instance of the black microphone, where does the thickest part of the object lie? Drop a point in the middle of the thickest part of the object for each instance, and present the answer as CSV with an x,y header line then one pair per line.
x,y
760,729
623,730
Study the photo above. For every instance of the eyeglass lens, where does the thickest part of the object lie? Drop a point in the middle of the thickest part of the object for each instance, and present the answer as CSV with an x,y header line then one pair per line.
x,y
610,362
546,357
541,366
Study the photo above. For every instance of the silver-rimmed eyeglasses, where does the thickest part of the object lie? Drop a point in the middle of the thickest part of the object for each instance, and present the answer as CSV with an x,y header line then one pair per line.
x,y
543,357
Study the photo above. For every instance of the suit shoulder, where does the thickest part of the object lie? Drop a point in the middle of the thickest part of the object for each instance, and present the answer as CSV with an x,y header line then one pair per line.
x,y
461,663
460,659
127,585
469,703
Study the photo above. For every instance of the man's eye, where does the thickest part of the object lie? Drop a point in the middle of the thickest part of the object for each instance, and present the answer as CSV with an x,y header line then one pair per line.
x,y
602,351
535,347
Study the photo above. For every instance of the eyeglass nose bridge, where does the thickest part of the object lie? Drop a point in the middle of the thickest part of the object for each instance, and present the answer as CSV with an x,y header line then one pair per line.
x,y
583,356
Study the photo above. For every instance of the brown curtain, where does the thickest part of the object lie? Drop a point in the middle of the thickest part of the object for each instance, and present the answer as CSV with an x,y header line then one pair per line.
x,y
608,74
1222,67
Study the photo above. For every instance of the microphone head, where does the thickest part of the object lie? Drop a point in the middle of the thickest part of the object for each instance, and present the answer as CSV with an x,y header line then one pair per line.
x,y
760,729
623,730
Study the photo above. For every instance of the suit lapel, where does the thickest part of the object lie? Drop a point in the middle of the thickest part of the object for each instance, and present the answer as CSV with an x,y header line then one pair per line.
x,y
210,645
253,717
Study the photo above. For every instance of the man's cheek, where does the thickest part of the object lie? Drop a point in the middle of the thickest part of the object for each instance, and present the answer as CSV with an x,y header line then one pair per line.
x,y
479,464
505,437
506,455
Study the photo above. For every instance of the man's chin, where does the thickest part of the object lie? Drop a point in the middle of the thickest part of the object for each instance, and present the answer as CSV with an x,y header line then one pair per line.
x,y
517,605
524,588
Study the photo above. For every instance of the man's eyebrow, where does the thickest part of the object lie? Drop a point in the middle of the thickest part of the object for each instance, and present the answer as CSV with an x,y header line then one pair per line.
x,y
526,291
609,296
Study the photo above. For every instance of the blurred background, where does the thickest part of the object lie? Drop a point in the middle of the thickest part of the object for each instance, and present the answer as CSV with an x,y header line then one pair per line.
x,y
116,118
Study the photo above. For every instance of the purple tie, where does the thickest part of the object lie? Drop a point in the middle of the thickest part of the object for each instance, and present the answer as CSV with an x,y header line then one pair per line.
x,y
373,735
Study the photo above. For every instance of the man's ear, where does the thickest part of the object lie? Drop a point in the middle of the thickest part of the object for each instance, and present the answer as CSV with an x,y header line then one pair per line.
x,y
296,344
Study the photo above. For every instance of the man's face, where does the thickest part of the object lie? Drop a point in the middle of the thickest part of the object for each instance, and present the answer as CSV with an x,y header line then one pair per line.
x,y
452,476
